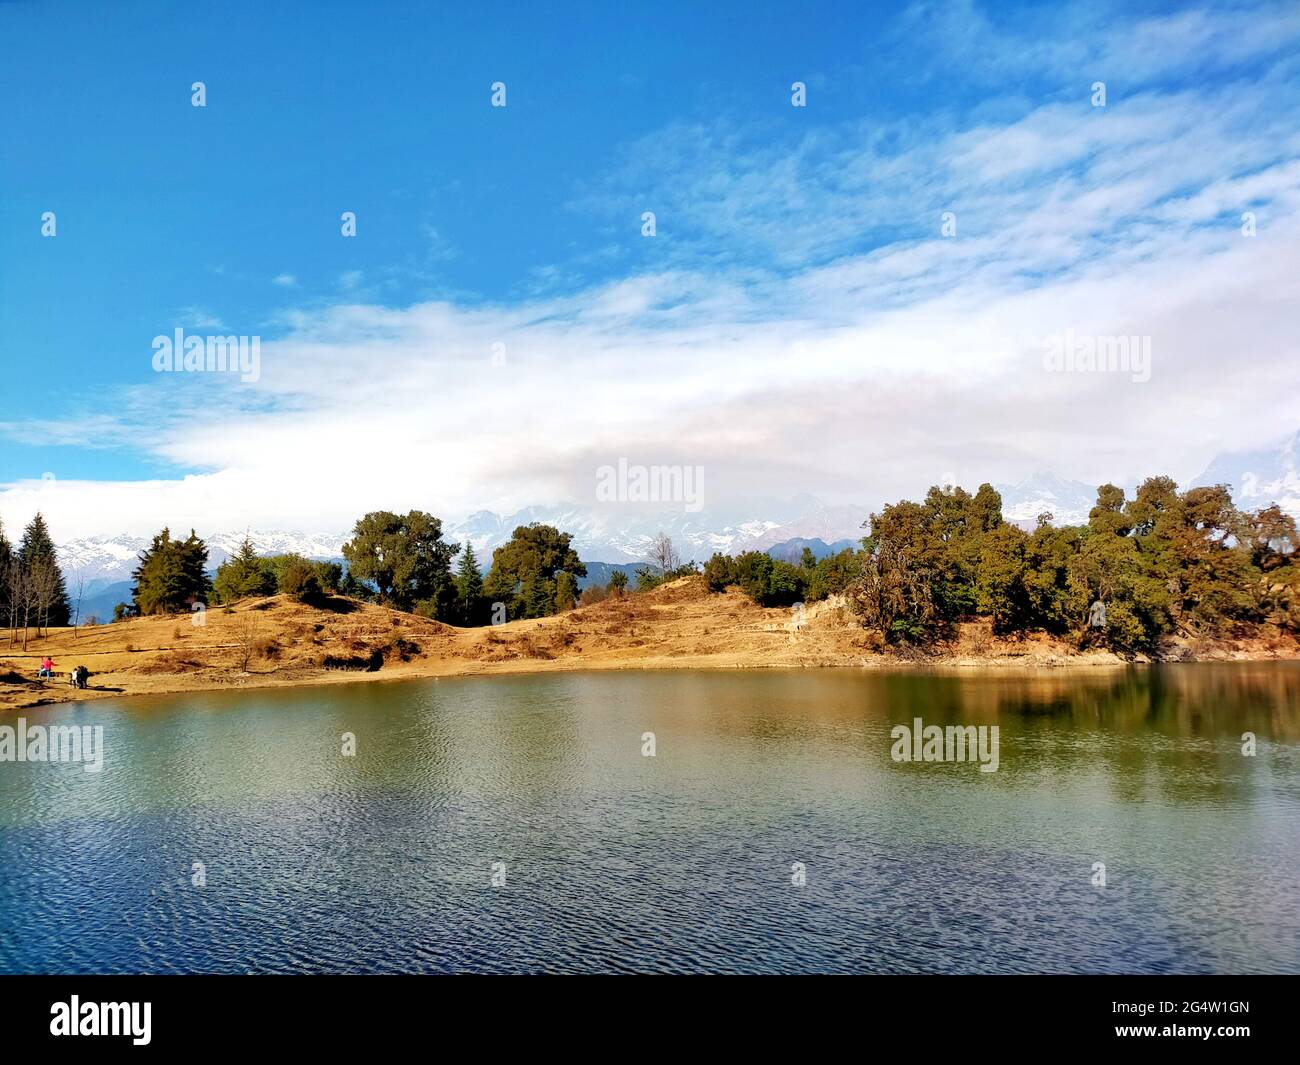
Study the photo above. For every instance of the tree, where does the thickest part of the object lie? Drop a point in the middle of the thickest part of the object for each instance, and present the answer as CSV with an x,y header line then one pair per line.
x,y
247,632
6,560
719,572
242,575
329,575
617,583
171,575
406,559
38,558
896,593
469,588
43,581
79,583
566,591
18,595
297,577
1000,582
1269,535
349,586
662,554
525,570
767,581
833,575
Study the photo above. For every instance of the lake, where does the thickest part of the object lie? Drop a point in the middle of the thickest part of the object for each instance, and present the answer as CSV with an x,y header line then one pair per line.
x,y
771,830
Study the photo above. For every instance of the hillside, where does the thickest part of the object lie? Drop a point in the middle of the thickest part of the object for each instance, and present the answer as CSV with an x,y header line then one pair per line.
x,y
278,641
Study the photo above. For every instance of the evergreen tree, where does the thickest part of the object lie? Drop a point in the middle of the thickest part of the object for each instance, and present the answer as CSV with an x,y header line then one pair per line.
x,y
566,591
171,576
194,564
242,575
38,558
469,587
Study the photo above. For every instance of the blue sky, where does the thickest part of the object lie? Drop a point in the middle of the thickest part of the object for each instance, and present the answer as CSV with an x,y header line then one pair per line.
x,y
797,322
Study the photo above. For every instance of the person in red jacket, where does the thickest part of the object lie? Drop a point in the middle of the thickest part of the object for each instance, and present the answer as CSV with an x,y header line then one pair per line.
x,y
47,667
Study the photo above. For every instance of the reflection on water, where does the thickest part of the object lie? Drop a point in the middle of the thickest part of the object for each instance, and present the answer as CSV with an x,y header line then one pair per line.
x,y
679,862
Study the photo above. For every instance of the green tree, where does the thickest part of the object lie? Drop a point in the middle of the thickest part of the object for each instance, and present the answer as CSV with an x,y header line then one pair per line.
x,y
719,572
297,577
469,588
329,575
833,575
37,556
566,591
406,559
1001,578
525,569
171,575
243,574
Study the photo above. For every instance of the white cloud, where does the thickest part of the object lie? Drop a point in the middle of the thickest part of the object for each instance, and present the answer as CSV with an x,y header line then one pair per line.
x,y
809,329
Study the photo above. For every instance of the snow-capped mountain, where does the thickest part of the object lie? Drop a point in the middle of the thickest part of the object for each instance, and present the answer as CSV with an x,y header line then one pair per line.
x,y
1260,478
104,560
1067,501
100,559
617,533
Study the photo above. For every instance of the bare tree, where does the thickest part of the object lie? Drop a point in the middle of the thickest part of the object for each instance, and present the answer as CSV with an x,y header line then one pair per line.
x,y
663,554
44,580
246,634
14,593
19,583
76,609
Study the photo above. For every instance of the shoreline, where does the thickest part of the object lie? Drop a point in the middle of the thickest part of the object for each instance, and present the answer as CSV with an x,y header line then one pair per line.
x,y
59,693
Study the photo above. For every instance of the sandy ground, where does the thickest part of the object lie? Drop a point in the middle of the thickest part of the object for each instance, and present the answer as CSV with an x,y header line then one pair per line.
x,y
276,641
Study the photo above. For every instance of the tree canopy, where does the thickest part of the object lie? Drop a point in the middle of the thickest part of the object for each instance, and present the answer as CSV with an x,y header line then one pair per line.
x,y
526,572
171,575
406,560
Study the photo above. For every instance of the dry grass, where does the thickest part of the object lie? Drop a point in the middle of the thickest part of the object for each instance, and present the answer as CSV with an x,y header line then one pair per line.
x,y
278,641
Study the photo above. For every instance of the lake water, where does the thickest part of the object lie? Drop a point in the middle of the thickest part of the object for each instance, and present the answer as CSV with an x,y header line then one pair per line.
x,y
685,861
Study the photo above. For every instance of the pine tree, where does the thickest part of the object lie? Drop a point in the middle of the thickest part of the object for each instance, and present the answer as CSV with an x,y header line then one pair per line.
x,y
194,564
469,587
243,574
171,575
39,560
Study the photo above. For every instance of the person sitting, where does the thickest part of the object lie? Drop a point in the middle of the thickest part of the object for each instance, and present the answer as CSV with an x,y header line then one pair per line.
x,y
47,667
